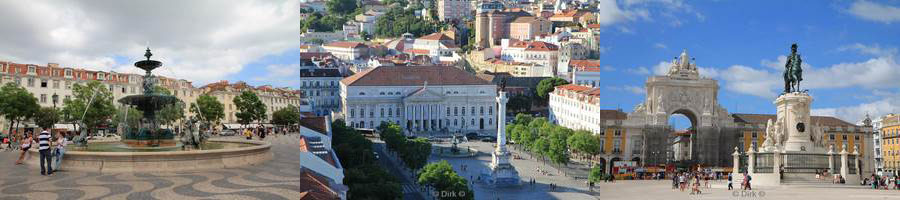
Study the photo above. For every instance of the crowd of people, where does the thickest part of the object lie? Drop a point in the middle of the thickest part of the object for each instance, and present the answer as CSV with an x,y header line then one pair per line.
x,y
49,148
882,182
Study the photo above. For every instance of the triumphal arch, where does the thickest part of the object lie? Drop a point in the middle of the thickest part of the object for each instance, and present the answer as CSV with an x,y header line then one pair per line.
x,y
682,90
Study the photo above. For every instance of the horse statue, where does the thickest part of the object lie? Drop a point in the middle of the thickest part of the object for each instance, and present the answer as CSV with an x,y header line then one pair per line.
x,y
793,73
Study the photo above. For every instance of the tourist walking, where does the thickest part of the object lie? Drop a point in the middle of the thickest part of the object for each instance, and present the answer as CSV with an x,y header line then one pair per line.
x,y
681,180
674,182
730,187
26,144
747,179
44,149
61,142
248,134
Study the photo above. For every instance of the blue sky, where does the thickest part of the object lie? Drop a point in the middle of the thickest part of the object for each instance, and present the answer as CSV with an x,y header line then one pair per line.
x,y
850,48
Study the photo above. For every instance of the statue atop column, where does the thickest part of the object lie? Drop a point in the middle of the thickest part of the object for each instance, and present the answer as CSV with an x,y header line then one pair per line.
x,y
793,73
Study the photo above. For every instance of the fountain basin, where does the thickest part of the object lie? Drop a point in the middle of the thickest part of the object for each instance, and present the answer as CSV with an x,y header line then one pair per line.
x,y
235,153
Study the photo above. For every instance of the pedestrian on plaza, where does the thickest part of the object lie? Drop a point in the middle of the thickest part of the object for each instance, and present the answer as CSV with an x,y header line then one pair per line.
x,y
44,149
248,134
706,181
747,180
61,143
730,187
26,144
674,182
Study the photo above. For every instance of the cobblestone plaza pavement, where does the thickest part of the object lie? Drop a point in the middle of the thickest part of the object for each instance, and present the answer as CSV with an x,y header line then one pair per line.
x,y
635,190
275,179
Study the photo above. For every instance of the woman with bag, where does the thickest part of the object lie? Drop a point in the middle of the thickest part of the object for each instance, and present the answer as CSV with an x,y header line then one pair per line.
x,y
26,144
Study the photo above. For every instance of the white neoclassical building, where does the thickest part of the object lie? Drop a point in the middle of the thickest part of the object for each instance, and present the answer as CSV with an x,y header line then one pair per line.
x,y
421,99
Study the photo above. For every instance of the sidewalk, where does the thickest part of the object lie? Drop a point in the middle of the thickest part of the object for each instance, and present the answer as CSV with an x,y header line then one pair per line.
x,y
405,173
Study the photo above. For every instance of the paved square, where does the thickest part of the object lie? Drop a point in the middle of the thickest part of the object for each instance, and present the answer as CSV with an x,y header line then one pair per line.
x,y
275,179
639,189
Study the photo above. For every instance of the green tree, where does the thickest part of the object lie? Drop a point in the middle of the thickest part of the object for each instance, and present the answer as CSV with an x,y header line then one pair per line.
x,y
547,85
416,153
365,179
208,108
519,103
441,176
286,116
91,104
249,107
46,117
169,113
596,174
558,150
16,104
584,142
523,119
341,7
129,116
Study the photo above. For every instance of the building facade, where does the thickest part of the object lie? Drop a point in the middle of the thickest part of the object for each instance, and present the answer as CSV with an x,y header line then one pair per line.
x,y
273,98
453,9
421,99
322,90
540,53
528,27
347,51
890,146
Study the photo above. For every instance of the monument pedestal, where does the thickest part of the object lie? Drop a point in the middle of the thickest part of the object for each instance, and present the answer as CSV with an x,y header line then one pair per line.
x,y
793,113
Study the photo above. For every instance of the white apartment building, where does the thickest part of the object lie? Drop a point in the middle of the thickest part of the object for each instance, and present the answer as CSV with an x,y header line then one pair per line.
x,y
347,51
421,99
876,145
45,82
587,72
273,98
322,90
578,108
540,53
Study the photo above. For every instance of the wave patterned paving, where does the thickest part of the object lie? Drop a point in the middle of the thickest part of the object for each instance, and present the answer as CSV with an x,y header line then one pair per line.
x,y
278,178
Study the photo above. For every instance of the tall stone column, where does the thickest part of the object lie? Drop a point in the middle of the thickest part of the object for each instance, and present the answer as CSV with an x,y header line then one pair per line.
x,y
856,160
501,121
793,110
502,173
844,169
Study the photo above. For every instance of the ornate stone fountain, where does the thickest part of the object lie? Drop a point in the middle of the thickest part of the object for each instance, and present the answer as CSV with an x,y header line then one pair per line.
x,y
148,133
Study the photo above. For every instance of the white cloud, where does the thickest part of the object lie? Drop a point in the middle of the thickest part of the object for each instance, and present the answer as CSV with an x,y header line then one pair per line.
x,y
281,74
635,89
639,71
611,12
708,72
747,80
661,68
659,46
608,68
628,88
874,50
855,113
875,12
202,41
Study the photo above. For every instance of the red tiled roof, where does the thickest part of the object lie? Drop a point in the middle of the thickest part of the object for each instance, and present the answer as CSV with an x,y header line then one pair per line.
x,y
417,51
354,45
315,187
414,75
572,87
535,46
315,123
435,36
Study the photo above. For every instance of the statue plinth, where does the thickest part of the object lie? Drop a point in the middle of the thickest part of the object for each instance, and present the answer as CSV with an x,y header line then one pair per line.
x,y
793,113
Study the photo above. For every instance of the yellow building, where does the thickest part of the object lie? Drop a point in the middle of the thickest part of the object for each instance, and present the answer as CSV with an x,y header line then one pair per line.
x,y
837,132
890,142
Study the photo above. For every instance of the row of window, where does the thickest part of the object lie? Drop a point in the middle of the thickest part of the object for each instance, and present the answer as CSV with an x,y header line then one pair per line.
x,y
318,83
390,113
